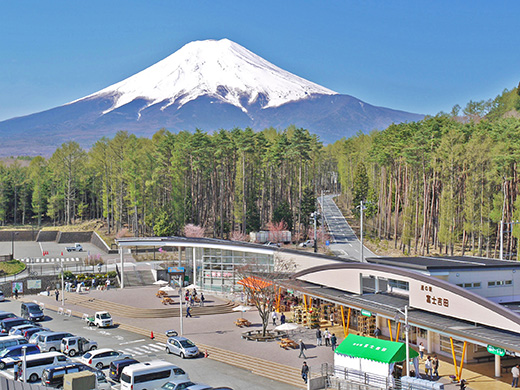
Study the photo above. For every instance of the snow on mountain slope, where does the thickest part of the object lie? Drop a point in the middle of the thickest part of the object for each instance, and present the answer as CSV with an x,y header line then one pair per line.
x,y
222,69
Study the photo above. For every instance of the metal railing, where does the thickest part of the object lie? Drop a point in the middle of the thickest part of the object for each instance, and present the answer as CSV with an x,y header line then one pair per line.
x,y
346,379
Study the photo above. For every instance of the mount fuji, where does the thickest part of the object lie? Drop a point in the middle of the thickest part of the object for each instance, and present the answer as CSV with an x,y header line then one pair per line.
x,y
207,85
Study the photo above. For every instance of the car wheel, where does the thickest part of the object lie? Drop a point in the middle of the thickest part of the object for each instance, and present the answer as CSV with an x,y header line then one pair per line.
x,y
93,347
72,353
167,350
99,366
52,349
33,378
182,355
2,365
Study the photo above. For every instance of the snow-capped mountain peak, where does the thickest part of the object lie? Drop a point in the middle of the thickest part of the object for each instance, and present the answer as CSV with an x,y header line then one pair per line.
x,y
221,69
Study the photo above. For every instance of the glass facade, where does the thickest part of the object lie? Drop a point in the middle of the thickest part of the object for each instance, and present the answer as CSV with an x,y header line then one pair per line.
x,y
216,268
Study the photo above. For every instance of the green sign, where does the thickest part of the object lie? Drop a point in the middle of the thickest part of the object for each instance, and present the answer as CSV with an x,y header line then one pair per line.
x,y
366,313
496,350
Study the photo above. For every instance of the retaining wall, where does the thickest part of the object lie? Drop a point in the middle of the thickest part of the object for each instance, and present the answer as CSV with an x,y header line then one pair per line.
x,y
18,235
47,235
70,237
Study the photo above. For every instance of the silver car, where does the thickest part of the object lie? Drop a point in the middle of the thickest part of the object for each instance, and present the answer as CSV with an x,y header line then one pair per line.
x,y
181,346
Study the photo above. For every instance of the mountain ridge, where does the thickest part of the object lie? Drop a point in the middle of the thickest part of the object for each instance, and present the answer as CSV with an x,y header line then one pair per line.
x,y
207,85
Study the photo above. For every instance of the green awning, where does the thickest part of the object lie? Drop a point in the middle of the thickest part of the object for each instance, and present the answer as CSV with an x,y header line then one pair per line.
x,y
374,349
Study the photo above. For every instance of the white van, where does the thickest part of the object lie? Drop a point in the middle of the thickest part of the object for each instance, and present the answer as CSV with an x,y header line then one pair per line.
x,y
150,375
35,364
7,341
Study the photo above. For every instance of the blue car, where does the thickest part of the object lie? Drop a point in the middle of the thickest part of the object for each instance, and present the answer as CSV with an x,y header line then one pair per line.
x,y
11,354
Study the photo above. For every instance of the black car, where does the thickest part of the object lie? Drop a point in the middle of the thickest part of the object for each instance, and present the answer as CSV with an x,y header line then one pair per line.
x,y
31,311
116,367
8,323
6,314
53,376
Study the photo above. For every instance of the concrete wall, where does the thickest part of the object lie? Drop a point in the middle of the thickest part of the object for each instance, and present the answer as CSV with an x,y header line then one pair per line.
x,y
18,235
71,237
47,235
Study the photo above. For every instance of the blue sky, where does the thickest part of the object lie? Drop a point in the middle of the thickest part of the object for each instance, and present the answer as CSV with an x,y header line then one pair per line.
x,y
418,56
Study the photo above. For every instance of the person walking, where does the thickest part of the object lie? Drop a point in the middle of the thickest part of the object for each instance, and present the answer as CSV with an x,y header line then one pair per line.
x,y
202,299
377,333
282,318
428,367
305,372
16,369
318,337
463,384
515,371
302,349
57,294
435,365
333,341
326,334
188,312
15,293
421,350
274,317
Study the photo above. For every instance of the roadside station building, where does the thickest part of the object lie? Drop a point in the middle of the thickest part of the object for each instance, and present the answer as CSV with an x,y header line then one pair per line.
x,y
460,307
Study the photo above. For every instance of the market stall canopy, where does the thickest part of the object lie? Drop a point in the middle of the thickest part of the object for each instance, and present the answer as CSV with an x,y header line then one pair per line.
x,y
254,283
383,351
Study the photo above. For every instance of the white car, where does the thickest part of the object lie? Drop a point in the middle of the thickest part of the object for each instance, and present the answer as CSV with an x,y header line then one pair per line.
x,y
101,358
306,244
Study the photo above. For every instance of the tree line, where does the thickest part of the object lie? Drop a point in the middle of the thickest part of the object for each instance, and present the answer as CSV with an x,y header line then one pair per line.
x,y
229,181
443,183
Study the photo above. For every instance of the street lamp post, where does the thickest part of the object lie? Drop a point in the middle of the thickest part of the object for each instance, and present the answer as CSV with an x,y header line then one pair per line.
x,y
12,245
315,217
407,337
24,363
62,284
180,304
361,208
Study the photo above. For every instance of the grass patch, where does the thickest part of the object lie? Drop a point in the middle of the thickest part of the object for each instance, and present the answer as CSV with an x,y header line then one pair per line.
x,y
11,267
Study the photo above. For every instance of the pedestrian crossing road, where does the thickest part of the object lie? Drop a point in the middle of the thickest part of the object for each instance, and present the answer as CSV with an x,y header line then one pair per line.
x,y
50,260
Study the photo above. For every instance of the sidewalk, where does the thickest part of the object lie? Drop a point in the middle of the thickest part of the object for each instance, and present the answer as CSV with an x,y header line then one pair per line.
x,y
220,331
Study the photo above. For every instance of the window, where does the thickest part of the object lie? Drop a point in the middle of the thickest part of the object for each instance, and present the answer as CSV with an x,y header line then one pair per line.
x,y
498,283
470,285
152,376
400,284
446,345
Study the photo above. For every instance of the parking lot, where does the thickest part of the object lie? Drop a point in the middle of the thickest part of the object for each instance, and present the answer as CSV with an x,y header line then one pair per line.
x,y
35,250
202,370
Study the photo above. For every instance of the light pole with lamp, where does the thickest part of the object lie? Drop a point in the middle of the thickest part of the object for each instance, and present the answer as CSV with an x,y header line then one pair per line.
x,y
361,208
407,338
315,216
180,304
24,363
62,284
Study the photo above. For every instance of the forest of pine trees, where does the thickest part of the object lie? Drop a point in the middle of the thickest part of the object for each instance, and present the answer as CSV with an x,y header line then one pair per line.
x,y
229,181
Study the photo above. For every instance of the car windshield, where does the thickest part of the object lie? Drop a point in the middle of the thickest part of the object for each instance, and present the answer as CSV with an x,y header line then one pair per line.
x,y
34,309
4,352
187,343
179,386
87,355
105,316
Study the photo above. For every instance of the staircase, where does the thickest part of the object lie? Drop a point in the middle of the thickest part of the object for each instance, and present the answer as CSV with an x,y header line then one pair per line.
x,y
121,310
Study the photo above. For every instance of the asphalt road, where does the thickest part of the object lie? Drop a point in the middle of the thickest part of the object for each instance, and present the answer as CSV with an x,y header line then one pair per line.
x,y
344,243
201,370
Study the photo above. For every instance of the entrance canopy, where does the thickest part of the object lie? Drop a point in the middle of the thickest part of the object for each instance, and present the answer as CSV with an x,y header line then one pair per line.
x,y
383,351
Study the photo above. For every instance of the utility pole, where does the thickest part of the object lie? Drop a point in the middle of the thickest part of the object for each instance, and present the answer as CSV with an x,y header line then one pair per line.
x,y
361,231
180,304
501,240
315,216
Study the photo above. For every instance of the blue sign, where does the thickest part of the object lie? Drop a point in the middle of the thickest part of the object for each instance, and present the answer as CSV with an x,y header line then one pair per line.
x,y
175,270
327,242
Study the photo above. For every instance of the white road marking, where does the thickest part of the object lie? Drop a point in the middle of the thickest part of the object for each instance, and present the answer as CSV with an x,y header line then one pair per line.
x,y
132,342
